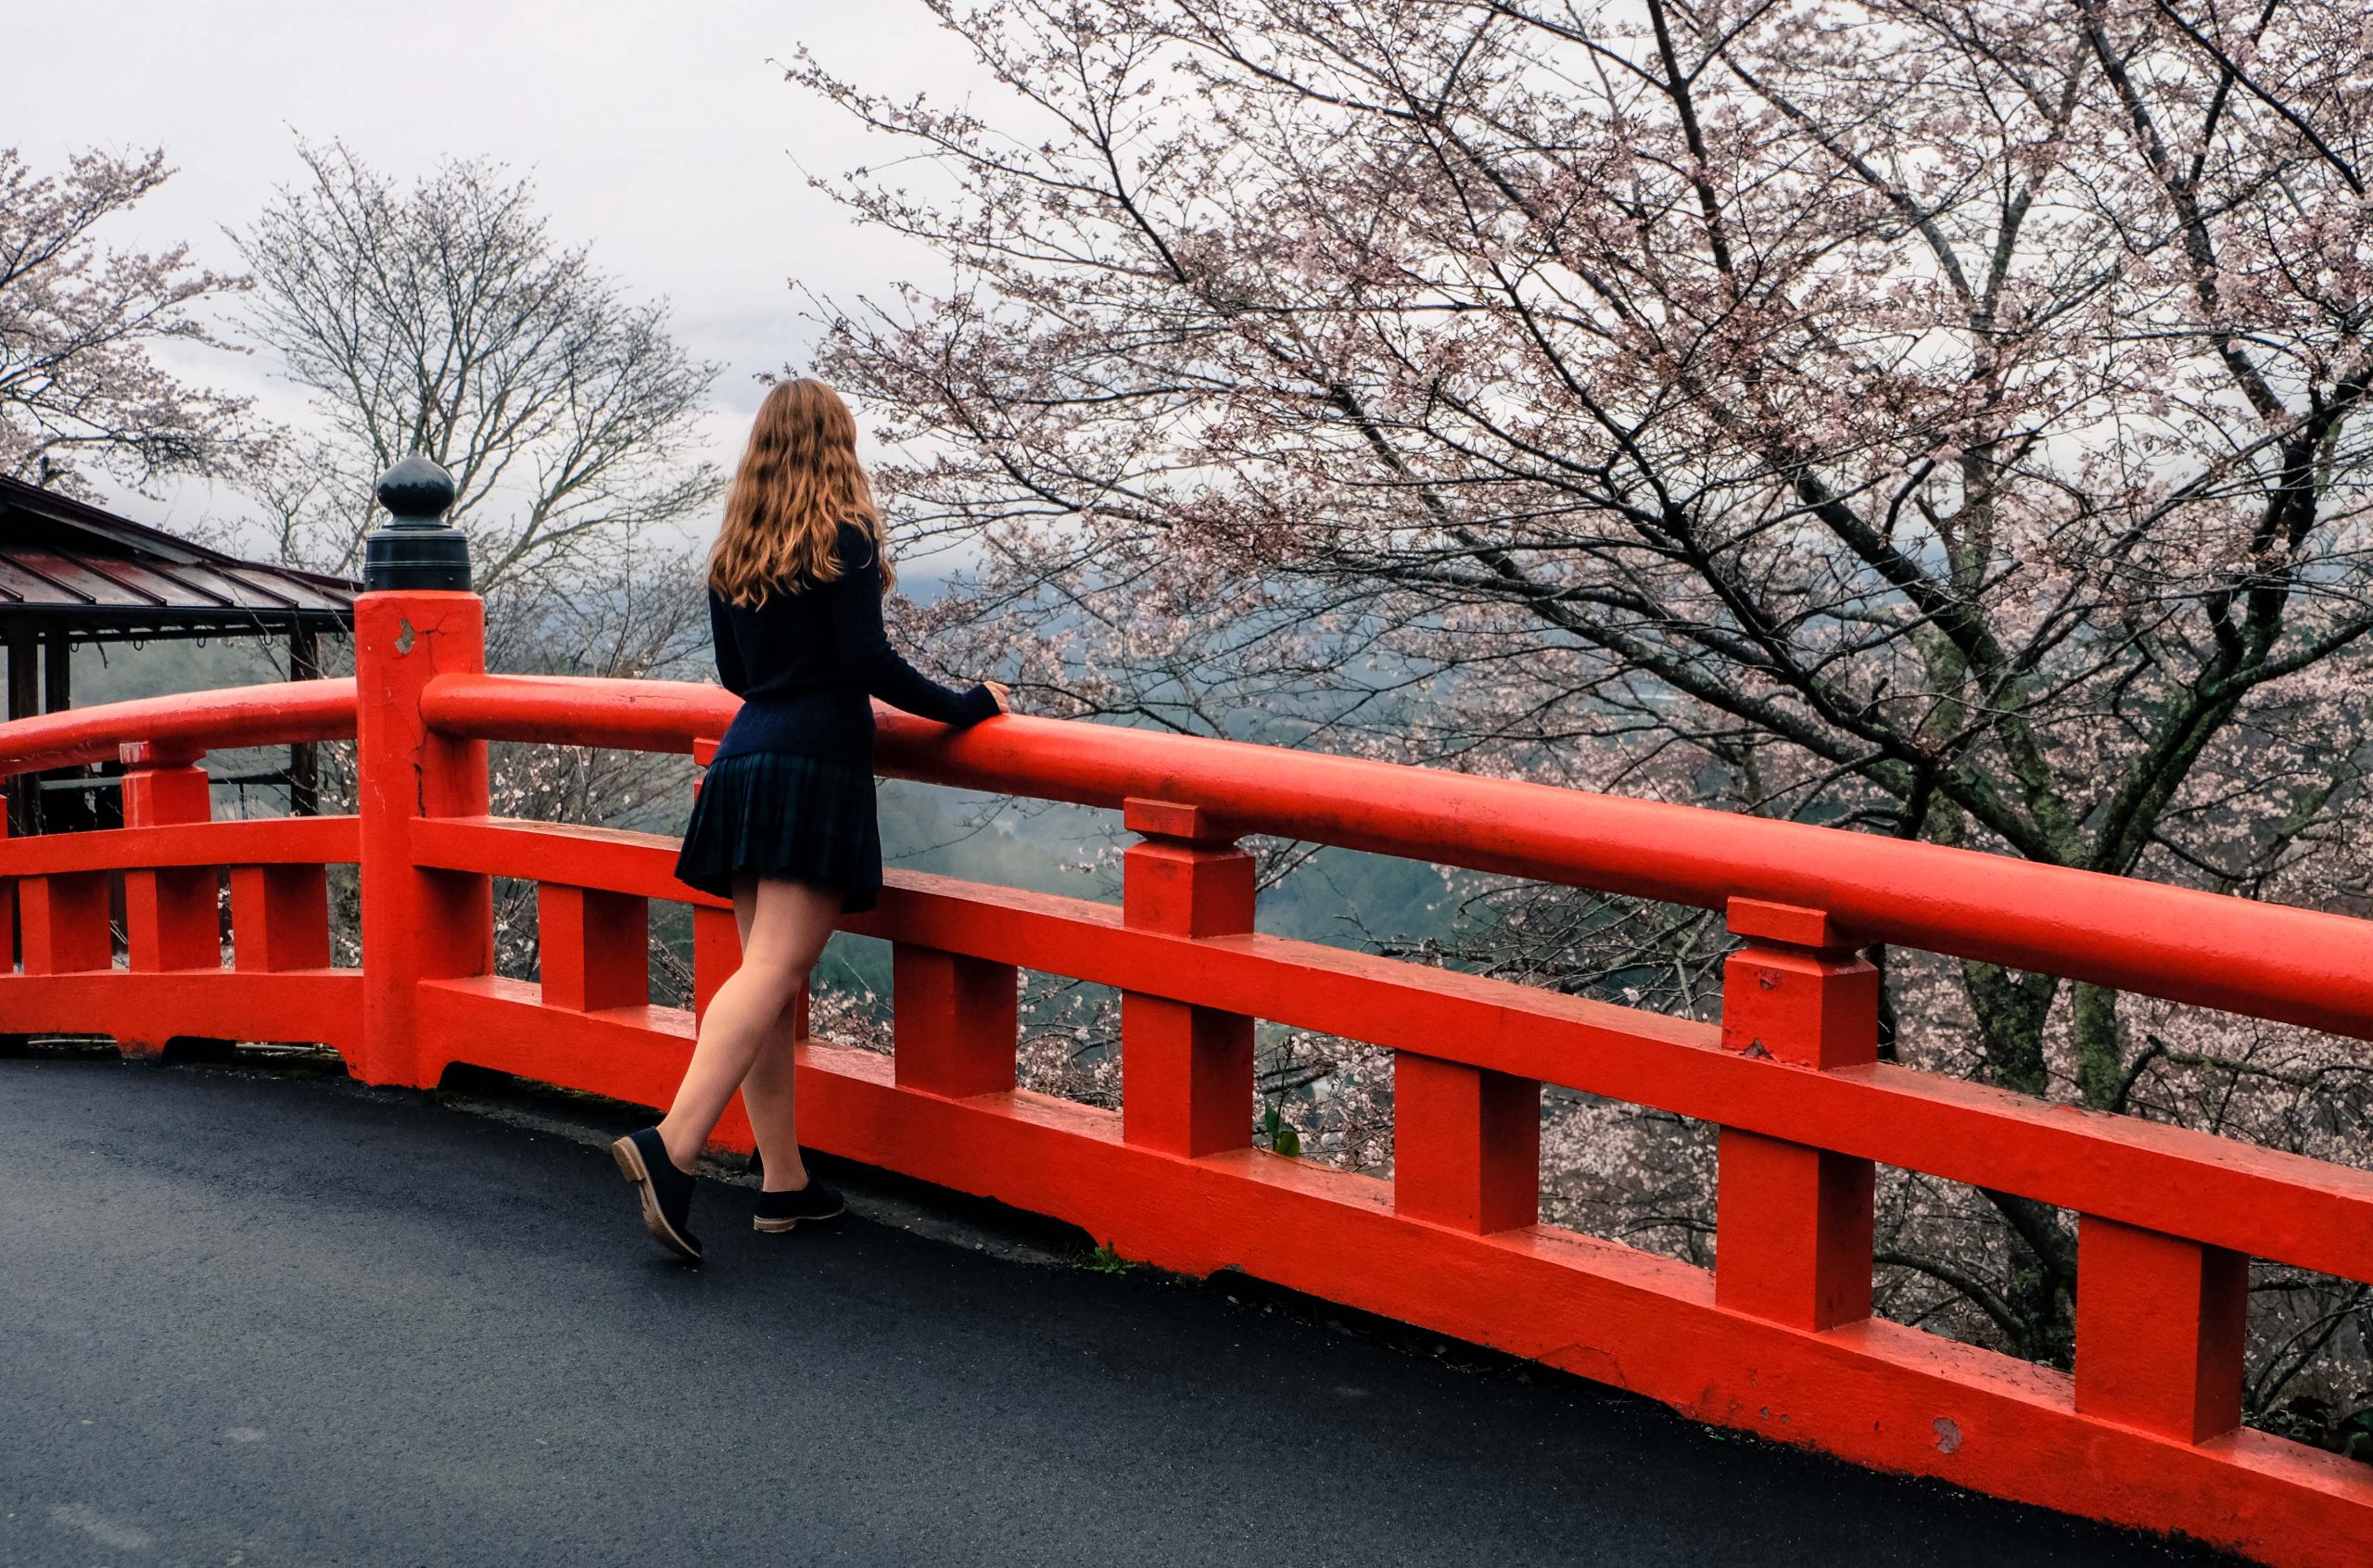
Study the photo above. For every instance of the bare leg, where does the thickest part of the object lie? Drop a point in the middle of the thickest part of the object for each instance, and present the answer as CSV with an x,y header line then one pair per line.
x,y
766,1093
789,924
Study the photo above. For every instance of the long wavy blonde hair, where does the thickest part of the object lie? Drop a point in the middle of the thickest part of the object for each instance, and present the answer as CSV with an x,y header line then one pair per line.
x,y
799,480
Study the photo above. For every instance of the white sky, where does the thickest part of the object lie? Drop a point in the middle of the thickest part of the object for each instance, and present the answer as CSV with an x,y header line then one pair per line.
x,y
659,133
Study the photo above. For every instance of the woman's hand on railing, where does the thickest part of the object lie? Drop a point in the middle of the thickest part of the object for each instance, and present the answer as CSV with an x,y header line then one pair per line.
x,y
1002,693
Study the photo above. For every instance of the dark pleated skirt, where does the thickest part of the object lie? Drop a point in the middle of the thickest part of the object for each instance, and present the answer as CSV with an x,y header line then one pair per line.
x,y
781,813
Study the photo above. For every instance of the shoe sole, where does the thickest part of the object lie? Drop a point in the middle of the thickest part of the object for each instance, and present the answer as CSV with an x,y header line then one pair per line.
x,y
629,1160
777,1227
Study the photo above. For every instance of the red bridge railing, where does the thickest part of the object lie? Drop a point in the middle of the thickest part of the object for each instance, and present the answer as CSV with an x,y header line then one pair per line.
x,y
1778,1339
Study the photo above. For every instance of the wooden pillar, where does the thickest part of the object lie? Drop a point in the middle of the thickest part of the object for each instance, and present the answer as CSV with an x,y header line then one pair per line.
x,y
60,810
1185,1071
57,670
2161,1324
1793,1223
304,757
24,701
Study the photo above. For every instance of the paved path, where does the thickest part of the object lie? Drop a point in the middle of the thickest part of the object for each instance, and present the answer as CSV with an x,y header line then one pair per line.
x,y
248,1320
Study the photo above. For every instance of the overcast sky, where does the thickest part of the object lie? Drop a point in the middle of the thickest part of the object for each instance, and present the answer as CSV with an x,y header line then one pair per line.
x,y
659,133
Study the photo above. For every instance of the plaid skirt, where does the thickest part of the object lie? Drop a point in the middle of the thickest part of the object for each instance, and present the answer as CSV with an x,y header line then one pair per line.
x,y
783,813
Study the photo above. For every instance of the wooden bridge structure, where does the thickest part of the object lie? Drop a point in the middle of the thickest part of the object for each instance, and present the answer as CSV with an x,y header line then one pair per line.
x,y
1777,1338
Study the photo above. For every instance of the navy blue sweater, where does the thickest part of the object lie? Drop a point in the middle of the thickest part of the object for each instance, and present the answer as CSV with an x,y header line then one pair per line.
x,y
805,663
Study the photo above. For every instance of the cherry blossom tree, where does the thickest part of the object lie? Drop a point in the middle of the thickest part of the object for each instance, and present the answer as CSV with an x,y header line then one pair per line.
x,y
82,392
1940,420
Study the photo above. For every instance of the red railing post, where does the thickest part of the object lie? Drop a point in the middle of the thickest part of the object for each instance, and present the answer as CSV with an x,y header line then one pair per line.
x,y
594,948
62,923
173,917
1186,1070
954,1020
1793,1223
416,924
63,926
1466,1145
2160,1325
280,917
65,923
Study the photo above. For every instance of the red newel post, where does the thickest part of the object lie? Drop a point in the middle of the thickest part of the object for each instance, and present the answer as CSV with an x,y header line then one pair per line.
x,y
1185,1071
416,924
173,917
2161,1324
1793,1223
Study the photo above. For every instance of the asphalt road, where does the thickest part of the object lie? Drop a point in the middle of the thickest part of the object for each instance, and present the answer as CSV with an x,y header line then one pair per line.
x,y
247,1320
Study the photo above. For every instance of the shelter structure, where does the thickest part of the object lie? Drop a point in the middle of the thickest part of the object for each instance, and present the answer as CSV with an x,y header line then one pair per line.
x,y
72,573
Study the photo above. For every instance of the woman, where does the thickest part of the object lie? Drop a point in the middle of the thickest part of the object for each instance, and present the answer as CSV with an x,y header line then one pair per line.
x,y
783,824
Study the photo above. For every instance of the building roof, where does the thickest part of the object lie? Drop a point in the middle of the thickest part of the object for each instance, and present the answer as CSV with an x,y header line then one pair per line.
x,y
64,562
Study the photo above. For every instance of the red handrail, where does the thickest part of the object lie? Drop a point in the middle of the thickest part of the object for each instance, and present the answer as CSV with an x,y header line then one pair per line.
x,y
637,715
281,714
2299,965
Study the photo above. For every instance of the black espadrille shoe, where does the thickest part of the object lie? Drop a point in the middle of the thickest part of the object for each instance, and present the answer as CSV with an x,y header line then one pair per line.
x,y
667,1192
811,1205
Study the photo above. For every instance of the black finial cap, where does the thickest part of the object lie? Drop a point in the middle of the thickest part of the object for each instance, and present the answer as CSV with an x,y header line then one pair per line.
x,y
416,487
415,549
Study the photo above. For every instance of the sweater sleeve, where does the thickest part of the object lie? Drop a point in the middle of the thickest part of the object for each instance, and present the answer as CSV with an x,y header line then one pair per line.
x,y
856,626
729,657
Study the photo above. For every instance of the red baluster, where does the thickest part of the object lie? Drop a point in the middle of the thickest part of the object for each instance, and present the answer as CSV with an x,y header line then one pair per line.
x,y
65,925
173,917
595,948
1466,1145
955,1021
2160,1328
280,917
